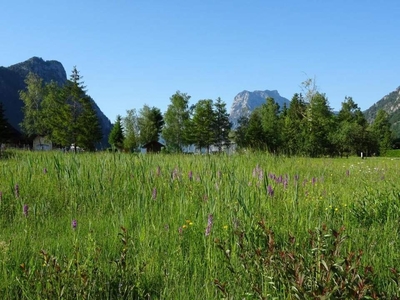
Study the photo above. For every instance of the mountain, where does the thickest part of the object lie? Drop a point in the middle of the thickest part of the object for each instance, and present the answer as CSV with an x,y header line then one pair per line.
x,y
391,104
245,102
12,81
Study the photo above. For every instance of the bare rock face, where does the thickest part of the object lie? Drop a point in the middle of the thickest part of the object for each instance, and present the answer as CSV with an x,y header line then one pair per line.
x,y
245,102
50,70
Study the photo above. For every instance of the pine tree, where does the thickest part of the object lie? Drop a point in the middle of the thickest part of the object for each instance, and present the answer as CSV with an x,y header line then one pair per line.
x,y
382,134
77,122
271,124
150,123
255,137
116,137
292,128
349,136
203,124
222,125
241,131
89,124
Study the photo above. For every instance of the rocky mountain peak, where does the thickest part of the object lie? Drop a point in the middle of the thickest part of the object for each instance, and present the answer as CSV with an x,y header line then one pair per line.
x,y
245,102
48,70
12,81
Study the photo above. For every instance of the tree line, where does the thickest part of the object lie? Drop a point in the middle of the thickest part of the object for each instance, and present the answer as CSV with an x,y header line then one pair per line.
x,y
203,124
309,127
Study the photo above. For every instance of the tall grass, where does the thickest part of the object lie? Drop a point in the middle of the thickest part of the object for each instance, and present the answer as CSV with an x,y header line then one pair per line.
x,y
141,224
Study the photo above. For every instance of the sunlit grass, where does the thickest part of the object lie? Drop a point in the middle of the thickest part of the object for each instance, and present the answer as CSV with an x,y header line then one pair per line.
x,y
162,204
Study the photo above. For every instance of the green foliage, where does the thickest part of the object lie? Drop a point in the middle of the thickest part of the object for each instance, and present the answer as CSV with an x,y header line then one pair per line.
x,y
393,153
241,132
35,112
222,125
203,124
318,125
267,267
66,114
116,137
255,137
380,129
175,130
5,132
150,124
130,124
309,127
271,125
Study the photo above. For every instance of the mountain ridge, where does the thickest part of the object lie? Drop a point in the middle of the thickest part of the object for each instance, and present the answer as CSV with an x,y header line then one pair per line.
x,y
246,101
391,104
12,80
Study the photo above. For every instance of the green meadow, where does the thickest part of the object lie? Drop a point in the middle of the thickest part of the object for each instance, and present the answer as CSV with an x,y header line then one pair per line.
x,y
249,226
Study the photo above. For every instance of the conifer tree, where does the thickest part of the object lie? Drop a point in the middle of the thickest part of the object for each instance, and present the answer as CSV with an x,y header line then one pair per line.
x,y
116,137
150,123
203,124
222,125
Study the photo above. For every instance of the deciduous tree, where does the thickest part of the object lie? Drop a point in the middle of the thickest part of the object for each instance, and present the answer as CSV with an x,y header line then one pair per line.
x,y
176,122
130,124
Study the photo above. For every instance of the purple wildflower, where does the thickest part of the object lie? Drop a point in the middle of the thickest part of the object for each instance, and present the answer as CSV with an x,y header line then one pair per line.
x,y
25,210
74,224
158,171
44,170
16,191
210,220
190,175
285,183
154,194
209,224
270,191
348,172
180,230
314,180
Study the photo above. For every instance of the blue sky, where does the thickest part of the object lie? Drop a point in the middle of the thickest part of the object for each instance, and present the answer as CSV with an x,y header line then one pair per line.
x,y
132,53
